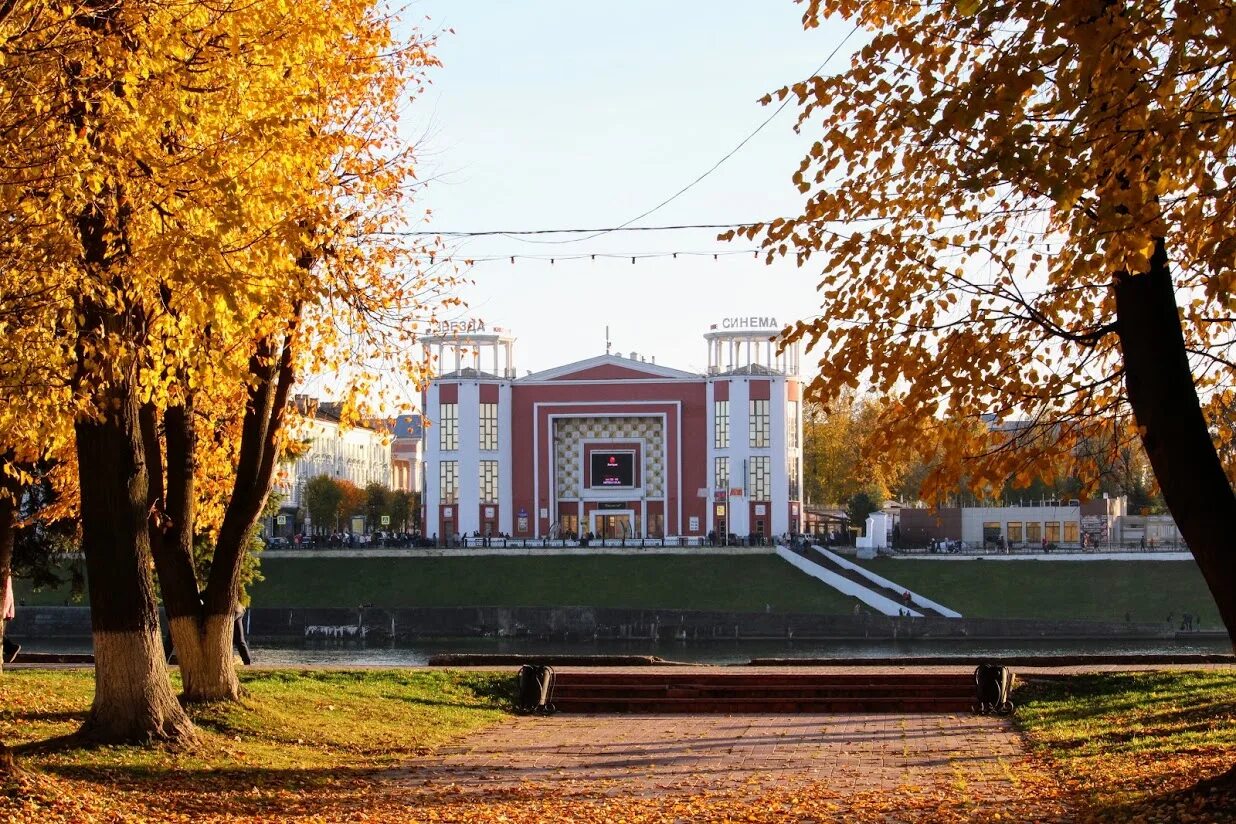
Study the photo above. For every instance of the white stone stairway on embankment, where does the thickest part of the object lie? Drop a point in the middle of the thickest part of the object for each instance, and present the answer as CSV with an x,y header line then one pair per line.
x,y
848,578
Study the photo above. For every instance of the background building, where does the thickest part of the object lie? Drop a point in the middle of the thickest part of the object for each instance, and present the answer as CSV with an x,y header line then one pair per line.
x,y
407,436
615,445
1102,522
359,454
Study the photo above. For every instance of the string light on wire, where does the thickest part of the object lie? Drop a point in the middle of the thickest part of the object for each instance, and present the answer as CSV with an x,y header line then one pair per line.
x,y
517,232
589,256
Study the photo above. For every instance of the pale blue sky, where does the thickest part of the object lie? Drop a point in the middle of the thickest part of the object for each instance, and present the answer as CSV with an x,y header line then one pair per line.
x,y
552,114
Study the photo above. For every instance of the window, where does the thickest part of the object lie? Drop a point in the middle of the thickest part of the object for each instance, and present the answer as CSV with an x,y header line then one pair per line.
x,y
1052,532
448,481
448,427
759,423
721,473
489,482
792,473
991,530
791,425
1034,531
721,424
489,426
1070,532
1014,532
760,482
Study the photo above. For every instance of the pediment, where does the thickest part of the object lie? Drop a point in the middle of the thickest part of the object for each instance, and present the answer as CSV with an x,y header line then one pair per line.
x,y
610,368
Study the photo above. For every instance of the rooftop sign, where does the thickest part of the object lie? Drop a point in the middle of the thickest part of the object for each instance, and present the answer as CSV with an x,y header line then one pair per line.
x,y
752,322
457,327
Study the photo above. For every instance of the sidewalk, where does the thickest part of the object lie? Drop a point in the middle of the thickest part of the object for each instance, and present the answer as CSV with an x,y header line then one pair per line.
x,y
762,768
744,754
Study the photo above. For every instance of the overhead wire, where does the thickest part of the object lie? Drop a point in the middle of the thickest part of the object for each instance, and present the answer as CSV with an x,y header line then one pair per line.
x,y
716,165
624,228
524,235
631,256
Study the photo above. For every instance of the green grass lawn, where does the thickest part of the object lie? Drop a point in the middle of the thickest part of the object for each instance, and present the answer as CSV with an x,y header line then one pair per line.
x,y
1131,745
1093,590
47,596
340,746
743,583
295,744
709,582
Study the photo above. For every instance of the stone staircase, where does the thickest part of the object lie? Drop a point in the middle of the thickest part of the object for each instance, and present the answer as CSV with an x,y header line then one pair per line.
x,y
727,692
892,594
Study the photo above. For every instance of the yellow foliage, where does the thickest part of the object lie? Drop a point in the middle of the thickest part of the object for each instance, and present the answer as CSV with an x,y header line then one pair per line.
x,y
981,175
201,177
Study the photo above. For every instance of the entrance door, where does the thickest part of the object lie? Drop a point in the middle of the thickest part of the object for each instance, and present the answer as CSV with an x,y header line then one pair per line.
x,y
612,525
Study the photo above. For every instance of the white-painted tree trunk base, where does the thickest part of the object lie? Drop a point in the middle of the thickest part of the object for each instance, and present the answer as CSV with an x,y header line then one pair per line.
x,y
133,698
207,667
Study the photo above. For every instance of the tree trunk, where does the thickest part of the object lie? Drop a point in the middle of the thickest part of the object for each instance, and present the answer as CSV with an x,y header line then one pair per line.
x,y
207,662
1165,404
203,642
204,652
9,490
133,698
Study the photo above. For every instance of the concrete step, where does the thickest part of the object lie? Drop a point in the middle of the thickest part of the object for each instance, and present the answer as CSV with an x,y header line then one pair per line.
x,y
620,691
640,692
731,677
763,705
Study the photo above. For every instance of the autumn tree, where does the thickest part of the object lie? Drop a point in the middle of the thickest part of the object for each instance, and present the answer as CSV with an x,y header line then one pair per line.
x,y
377,504
352,499
1023,209
322,498
840,457
861,504
206,195
401,509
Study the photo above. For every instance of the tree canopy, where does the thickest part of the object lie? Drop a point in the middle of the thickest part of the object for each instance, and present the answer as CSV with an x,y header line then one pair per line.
x,y
981,172
201,202
1022,210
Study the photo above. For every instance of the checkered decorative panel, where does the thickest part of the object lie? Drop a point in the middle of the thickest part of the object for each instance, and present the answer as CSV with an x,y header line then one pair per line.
x,y
571,433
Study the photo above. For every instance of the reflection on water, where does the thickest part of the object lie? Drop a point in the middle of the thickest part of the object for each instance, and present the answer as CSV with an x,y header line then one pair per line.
x,y
703,652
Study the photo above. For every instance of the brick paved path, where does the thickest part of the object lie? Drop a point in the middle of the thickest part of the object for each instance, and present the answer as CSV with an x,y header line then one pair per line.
x,y
658,755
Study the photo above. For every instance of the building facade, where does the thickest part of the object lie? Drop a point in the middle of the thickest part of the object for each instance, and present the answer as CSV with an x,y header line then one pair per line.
x,y
407,440
613,445
1102,522
359,454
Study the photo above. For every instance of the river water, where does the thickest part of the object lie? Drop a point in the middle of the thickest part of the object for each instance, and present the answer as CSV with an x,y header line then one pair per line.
x,y
702,652
734,652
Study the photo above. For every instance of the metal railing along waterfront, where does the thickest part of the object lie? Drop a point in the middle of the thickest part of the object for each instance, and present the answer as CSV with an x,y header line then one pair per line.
x,y
480,542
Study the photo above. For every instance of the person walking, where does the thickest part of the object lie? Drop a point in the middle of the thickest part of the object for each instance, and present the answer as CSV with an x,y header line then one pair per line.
x,y
11,647
238,635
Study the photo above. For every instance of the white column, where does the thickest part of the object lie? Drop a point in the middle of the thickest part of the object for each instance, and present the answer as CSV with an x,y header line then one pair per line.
x,y
469,428
710,423
506,520
739,452
431,495
779,518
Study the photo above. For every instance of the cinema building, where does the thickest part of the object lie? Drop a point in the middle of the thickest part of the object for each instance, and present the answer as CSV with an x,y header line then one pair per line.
x,y
613,445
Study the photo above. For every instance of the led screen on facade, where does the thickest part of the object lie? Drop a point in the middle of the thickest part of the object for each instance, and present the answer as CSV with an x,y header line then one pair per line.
x,y
612,470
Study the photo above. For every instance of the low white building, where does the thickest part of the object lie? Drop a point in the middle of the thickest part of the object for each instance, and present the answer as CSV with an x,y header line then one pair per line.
x,y
1103,522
